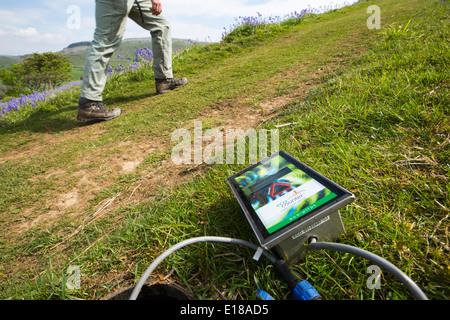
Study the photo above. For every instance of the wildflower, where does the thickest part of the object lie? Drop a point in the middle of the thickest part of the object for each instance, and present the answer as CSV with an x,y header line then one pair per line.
x,y
33,99
109,71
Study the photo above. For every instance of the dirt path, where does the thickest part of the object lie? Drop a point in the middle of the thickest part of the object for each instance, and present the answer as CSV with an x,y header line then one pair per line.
x,y
84,191
75,199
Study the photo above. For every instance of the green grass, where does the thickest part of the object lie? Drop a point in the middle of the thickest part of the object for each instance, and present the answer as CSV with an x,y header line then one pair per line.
x,y
376,122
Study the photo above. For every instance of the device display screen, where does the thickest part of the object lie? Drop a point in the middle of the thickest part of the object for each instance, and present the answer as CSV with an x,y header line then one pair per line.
x,y
280,191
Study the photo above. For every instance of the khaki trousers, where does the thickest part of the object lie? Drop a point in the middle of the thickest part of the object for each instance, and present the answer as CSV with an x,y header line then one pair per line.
x,y
111,17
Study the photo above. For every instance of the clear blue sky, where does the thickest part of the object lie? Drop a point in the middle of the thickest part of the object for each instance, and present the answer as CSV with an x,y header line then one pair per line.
x,y
28,26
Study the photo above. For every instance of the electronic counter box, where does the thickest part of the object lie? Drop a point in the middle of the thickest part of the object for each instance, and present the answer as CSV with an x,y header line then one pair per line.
x,y
286,202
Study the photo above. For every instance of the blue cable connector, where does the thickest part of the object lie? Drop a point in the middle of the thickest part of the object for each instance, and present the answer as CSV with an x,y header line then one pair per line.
x,y
261,294
305,291
300,290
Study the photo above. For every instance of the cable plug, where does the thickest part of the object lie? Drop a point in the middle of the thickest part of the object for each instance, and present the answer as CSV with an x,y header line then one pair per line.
x,y
301,290
261,294
305,291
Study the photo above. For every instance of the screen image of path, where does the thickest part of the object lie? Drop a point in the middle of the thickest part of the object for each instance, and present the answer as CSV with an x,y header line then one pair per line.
x,y
280,193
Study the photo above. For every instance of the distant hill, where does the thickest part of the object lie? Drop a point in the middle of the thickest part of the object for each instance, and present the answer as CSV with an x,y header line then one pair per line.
x,y
79,44
77,51
7,60
75,47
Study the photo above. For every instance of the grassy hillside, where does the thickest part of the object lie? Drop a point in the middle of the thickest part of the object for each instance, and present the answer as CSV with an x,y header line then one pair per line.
x,y
6,60
127,50
367,108
78,57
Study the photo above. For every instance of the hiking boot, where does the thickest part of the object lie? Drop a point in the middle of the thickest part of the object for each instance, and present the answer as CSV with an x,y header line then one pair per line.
x,y
95,111
164,85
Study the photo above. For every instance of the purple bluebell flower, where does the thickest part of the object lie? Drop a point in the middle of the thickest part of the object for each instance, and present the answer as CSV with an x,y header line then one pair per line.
x,y
33,99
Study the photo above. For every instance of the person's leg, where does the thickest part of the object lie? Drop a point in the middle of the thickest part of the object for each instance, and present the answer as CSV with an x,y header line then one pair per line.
x,y
159,28
110,16
160,32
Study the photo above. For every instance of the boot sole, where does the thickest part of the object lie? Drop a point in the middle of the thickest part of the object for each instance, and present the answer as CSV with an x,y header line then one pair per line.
x,y
98,119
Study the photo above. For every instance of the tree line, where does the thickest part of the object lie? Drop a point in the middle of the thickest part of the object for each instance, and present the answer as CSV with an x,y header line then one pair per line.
x,y
36,73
